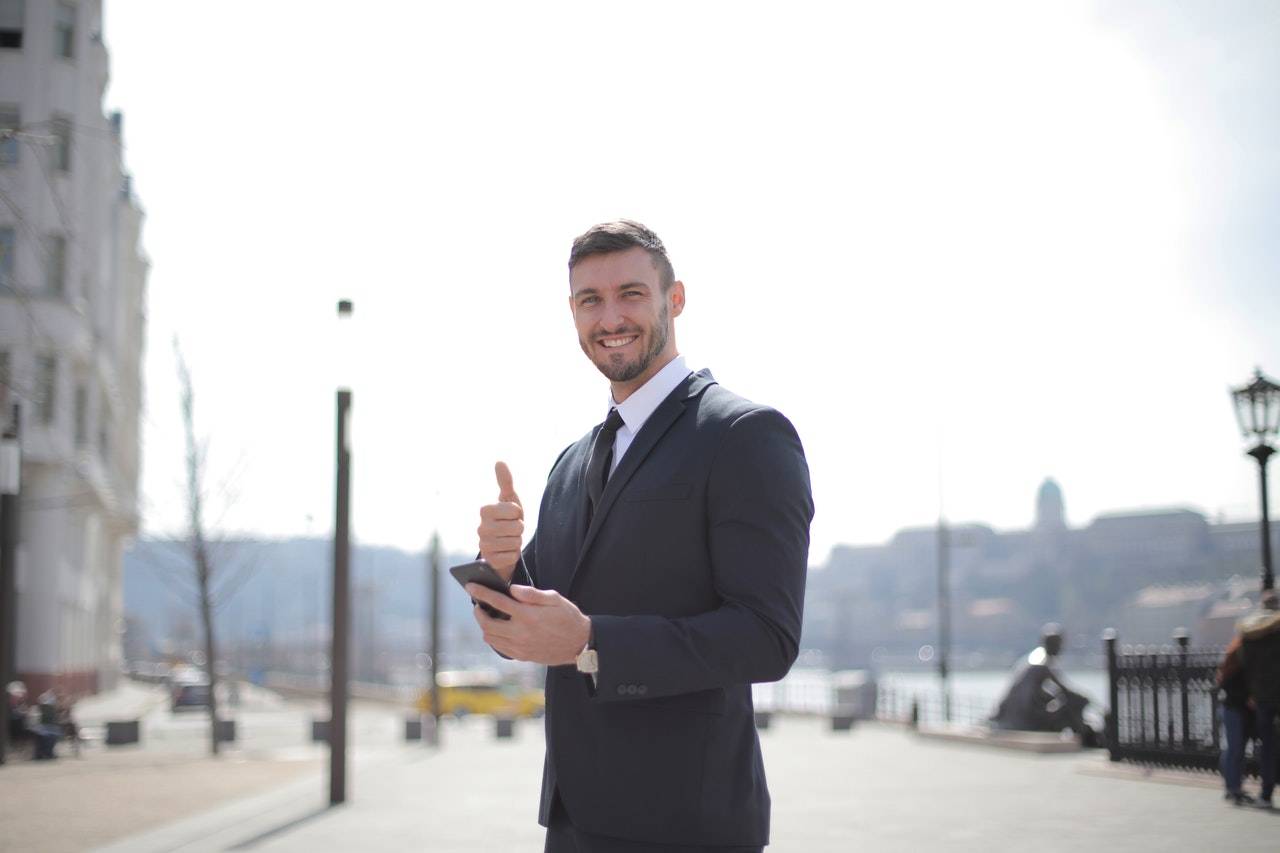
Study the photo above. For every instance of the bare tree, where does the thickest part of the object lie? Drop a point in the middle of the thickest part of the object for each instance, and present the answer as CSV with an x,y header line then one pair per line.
x,y
205,557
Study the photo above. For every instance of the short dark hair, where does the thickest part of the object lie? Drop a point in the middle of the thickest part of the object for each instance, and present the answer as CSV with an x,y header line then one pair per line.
x,y
619,236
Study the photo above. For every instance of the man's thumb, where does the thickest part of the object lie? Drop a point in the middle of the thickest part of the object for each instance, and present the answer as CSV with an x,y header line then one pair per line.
x,y
531,595
506,489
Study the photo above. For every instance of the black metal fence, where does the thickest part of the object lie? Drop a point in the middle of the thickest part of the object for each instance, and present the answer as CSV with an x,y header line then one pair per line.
x,y
1163,704
930,707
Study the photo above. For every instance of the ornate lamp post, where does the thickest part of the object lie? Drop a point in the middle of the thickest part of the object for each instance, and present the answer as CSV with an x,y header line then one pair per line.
x,y
1258,411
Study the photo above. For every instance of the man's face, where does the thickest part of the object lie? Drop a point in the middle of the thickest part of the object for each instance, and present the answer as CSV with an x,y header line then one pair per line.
x,y
624,320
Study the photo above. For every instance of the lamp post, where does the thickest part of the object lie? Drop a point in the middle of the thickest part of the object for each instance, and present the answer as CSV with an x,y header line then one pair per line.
x,y
340,651
1258,412
944,615
10,485
433,650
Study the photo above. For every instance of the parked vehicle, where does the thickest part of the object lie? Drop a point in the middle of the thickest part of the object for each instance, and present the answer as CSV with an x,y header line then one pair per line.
x,y
188,688
483,692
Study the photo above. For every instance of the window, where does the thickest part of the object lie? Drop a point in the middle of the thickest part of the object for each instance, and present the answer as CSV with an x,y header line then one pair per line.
x,y
46,387
82,415
7,245
104,437
64,32
61,130
11,13
55,270
10,121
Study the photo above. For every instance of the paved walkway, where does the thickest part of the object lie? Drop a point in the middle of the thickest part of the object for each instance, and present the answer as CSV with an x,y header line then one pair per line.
x,y
875,788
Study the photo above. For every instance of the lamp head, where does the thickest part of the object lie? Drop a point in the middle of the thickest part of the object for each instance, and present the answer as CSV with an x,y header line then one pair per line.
x,y
1258,409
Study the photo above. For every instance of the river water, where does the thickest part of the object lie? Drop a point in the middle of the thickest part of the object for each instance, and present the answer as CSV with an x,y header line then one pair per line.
x,y
974,694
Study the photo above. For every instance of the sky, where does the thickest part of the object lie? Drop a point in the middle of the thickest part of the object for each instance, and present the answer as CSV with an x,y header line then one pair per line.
x,y
963,247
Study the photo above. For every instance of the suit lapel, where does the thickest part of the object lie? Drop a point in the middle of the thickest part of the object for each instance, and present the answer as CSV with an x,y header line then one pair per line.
x,y
667,413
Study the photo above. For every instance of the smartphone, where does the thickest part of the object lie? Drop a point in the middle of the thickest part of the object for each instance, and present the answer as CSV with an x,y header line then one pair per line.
x,y
484,574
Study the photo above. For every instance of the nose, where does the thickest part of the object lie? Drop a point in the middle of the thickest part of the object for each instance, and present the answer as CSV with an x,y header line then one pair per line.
x,y
611,318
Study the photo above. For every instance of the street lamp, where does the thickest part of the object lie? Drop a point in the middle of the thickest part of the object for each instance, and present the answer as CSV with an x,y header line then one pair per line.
x,y
10,486
1258,411
341,645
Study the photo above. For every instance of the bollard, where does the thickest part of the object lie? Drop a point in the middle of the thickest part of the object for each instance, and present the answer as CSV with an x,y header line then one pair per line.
x,y
413,728
122,732
319,731
226,731
504,727
763,719
841,722
915,713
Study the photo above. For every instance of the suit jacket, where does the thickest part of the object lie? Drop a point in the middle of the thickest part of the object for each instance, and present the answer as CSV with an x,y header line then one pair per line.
x,y
692,570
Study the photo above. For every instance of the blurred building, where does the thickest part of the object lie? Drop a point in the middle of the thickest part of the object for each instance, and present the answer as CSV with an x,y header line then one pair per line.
x,y
1144,573
72,297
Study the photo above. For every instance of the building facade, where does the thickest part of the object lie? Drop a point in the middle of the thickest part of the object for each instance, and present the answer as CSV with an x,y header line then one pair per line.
x,y
1143,573
72,322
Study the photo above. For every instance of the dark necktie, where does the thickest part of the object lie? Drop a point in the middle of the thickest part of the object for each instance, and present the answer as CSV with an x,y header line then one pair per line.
x,y
601,454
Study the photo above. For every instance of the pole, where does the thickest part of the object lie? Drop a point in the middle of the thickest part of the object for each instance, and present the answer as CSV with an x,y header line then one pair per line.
x,y
434,651
944,617
1263,453
1113,696
341,609
10,486
1183,639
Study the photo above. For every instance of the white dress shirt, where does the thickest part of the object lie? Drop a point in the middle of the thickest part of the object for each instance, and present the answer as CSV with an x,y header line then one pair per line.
x,y
642,403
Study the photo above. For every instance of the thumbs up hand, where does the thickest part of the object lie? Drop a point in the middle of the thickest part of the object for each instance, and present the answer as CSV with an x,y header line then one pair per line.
x,y
501,527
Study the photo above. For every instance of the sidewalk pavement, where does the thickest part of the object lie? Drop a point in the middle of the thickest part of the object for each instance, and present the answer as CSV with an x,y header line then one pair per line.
x,y
875,788
129,700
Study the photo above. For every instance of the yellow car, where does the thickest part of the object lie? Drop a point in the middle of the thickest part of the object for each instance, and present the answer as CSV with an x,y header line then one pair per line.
x,y
482,692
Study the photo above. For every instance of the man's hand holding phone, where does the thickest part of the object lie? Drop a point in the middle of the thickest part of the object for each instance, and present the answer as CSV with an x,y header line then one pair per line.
x,y
501,527
542,625
519,621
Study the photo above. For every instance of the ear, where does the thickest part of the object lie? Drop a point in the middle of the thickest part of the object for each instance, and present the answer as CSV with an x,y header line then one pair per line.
x,y
572,312
676,297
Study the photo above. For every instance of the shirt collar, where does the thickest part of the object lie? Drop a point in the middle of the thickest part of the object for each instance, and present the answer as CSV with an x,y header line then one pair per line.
x,y
642,403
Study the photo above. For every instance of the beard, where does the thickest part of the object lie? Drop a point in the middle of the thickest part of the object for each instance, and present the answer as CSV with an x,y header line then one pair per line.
x,y
617,369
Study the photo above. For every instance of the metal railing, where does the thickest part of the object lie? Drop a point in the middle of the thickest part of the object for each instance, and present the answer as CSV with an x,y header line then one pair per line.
x,y
930,707
1164,704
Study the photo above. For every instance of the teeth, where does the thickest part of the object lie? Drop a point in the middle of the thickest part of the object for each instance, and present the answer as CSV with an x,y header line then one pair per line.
x,y
611,343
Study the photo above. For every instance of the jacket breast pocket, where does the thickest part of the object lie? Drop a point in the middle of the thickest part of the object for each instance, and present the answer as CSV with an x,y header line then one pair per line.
x,y
669,492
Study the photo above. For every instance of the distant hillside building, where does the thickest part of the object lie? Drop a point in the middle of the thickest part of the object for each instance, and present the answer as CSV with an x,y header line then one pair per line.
x,y
72,298
1144,573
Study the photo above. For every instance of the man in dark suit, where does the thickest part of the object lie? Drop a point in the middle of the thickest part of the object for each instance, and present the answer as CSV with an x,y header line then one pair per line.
x,y
666,576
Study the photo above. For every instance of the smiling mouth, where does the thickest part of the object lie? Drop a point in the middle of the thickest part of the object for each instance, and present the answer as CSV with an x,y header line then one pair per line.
x,y
615,342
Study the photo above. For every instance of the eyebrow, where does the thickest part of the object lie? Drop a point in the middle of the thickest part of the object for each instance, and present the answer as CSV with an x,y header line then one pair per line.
x,y
594,291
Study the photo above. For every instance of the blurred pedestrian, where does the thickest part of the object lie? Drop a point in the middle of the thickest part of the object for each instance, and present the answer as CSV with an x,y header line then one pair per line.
x,y
1261,633
1237,720
19,731
47,732
66,721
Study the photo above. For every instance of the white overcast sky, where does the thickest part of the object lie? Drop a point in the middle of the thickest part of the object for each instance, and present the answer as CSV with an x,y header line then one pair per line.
x,y
969,243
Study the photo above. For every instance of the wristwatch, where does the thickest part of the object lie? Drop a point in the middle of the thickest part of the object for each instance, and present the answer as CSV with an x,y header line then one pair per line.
x,y
587,661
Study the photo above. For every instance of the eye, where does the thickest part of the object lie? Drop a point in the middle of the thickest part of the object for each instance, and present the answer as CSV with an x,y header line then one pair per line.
x,y
589,300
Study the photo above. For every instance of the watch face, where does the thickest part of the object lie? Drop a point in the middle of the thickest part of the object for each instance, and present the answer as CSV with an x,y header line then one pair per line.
x,y
588,662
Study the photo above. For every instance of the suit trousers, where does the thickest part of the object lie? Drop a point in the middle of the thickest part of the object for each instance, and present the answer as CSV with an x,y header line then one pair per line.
x,y
563,837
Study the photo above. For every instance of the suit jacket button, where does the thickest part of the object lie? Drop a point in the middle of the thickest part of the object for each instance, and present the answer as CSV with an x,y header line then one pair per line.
x,y
631,690
642,689
622,690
